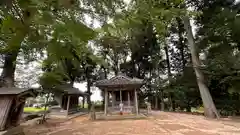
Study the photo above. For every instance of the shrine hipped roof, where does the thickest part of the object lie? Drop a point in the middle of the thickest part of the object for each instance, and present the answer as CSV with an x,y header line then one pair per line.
x,y
119,81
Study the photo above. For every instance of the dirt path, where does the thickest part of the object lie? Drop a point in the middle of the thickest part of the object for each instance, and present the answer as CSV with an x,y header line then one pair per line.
x,y
161,123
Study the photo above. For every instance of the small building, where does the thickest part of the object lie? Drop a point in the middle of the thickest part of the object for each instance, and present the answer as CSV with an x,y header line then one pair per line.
x,y
120,89
12,101
68,100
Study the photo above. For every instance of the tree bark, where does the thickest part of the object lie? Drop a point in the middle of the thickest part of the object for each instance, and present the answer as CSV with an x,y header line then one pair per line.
x,y
9,69
88,88
188,109
10,58
102,92
156,101
89,93
169,74
181,41
162,100
170,102
209,106
168,62
14,46
116,66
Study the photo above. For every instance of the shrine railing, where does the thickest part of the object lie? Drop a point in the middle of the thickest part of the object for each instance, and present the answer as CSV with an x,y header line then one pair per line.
x,y
117,103
116,108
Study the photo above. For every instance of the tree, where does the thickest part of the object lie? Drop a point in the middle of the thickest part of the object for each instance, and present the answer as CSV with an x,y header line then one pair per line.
x,y
27,26
216,39
209,107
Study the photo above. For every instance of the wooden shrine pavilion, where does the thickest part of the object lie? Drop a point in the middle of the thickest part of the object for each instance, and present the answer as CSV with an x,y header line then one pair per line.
x,y
12,101
120,89
68,99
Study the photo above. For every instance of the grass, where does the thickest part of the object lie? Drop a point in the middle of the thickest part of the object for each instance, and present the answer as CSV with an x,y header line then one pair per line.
x,y
85,105
198,110
33,109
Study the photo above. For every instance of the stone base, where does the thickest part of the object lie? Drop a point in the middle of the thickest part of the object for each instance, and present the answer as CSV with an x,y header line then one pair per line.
x,y
101,116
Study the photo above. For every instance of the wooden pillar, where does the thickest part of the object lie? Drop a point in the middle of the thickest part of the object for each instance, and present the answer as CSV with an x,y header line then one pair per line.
x,y
106,102
68,103
108,96
120,96
61,101
83,101
129,102
113,98
136,101
6,103
21,107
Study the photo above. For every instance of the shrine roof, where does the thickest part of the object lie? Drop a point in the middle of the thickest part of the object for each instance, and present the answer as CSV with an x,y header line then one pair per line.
x,y
68,89
17,91
118,81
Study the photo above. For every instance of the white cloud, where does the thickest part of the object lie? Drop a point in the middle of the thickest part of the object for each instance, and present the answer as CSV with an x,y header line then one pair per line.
x,y
96,96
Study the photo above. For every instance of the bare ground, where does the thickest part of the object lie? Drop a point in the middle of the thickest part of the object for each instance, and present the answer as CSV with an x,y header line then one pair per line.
x,y
160,123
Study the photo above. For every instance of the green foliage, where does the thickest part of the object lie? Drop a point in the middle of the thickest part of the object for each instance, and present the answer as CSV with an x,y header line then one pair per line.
x,y
219,42
51,79
132,40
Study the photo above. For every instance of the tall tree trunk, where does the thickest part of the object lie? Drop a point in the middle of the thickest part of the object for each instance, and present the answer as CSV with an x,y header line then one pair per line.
x,y
102,92
133,66
88,89
188,109
168,62
14,46
10,58
169,74
9,69
162,100
116,66
170,101
89,93
105,73
156,101
181,41
209,106
174,105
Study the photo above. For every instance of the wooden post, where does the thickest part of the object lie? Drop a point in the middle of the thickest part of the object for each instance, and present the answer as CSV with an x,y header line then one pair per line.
x,y
106,102
129,102
113,99
68,104
120,96
92,113
83,101
21,107
136,101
